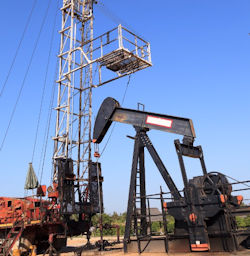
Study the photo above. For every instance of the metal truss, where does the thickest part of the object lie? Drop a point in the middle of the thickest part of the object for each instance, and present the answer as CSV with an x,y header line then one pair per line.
x,y
85,63
74,100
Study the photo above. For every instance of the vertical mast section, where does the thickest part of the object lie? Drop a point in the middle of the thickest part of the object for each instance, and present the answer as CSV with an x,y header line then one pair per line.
x,y
114,54
74,101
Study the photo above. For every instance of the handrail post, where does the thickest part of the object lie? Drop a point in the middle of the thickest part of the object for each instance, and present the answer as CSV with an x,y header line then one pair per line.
x,y
120,36
149,52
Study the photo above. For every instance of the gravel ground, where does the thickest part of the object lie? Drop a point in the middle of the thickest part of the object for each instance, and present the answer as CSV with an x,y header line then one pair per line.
x,y
75,244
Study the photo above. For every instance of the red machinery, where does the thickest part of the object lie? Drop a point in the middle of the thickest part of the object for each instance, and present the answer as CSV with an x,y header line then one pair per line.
x,y
43,222
29,209
32,220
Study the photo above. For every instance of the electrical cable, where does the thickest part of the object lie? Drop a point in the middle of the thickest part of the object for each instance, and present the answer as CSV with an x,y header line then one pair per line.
x,y
45,139
123,98
237,181
46,135
231,178
126,89
25,76
97,159
117,20
18,47
44,85
48,129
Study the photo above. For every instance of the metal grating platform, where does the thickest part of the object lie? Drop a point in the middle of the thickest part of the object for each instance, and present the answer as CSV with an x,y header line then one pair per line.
x,y
115,54
123,61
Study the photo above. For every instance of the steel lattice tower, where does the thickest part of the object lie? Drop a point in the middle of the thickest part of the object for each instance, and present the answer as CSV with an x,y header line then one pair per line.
x,y
114,54
74,100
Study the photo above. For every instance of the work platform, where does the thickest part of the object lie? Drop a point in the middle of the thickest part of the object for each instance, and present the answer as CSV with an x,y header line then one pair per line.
x,y
123,61
122,51
114,54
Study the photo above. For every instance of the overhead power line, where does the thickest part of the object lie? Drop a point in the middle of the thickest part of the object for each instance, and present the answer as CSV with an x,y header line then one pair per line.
x,y
44,85
49,117
18,48
115,18
25,76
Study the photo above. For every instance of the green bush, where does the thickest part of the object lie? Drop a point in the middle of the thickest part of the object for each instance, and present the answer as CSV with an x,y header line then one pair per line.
x,y
243,222
120,220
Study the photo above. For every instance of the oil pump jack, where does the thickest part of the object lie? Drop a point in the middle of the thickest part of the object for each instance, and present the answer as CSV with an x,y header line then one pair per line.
x,y
203,213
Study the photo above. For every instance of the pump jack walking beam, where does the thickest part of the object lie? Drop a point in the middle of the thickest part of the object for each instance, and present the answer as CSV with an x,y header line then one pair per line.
x,y
110,111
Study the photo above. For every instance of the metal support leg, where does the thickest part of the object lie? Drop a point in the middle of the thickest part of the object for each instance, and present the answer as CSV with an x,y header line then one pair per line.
x,y
143,230
131,195
182,166
203,166
158,162
164,220
51,250
196,223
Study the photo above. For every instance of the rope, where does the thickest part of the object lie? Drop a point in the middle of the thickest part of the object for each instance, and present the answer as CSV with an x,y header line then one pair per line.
x,y
25,77
44,86
123,98
18,47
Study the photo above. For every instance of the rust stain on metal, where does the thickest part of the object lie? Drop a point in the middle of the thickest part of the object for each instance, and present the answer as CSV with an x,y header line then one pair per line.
x,y
120,117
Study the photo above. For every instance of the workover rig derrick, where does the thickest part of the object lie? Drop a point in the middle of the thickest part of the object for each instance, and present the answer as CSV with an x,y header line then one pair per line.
x,y
204,211
115,54
76,186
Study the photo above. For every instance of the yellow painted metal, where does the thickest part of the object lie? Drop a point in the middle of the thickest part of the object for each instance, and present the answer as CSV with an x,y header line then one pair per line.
x,y
32,250
10,225
16,252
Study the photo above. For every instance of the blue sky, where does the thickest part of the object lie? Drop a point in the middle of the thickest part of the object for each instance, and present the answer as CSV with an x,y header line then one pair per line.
x,y
200,53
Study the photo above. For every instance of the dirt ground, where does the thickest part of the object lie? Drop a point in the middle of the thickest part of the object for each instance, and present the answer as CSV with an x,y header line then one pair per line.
x,y
75,245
